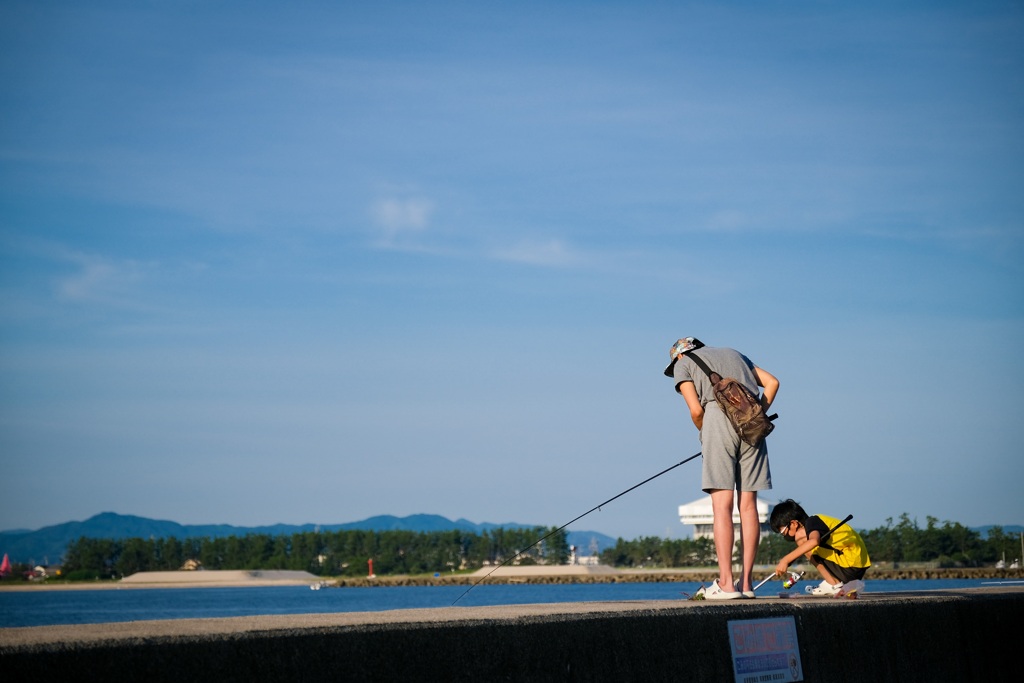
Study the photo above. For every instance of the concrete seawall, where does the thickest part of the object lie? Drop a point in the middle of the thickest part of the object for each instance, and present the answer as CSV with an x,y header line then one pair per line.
x,y
968,635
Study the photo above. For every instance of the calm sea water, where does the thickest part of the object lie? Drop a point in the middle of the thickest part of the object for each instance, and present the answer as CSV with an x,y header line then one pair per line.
x,y
50,607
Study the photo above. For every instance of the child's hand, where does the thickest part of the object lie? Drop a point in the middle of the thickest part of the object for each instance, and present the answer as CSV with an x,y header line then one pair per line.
x,y
780,568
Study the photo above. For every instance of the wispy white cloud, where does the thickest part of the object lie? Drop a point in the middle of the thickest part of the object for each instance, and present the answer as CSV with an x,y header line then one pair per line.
x,y
409,224
396,219
729,220
552,252
405,224
99,280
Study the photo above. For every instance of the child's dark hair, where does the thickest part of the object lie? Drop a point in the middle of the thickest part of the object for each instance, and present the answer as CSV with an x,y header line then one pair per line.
x,y
785,512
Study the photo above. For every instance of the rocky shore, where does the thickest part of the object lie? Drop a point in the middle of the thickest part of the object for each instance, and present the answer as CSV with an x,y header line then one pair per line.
x,y
656,576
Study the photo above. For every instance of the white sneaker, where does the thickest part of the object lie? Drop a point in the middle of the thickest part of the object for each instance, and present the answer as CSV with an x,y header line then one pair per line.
x,y
850,589
825,588
715,592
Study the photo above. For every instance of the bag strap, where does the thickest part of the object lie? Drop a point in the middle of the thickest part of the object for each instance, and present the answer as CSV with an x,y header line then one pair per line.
x,y
692,355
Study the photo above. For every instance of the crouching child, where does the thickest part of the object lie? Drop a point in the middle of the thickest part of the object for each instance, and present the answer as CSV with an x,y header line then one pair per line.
x,y
840,557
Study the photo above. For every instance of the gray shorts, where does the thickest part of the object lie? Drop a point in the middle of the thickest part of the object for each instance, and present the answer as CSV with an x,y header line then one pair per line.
x,y
729,463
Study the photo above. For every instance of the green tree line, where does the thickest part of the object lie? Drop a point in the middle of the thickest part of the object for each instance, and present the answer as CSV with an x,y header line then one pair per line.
x,y
339,553
950,545
345,553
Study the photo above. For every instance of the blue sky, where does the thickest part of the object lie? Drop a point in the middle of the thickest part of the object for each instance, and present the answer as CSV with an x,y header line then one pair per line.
x,y
312,262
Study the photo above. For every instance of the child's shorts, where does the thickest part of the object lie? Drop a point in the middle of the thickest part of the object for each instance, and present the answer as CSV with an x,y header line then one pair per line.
x,y
844,574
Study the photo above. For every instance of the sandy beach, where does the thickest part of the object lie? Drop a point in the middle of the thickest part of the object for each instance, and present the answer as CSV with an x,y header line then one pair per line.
x,y
182,579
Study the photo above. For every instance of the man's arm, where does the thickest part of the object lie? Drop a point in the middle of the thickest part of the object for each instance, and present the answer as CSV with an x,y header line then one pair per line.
x,y
689,393
770,384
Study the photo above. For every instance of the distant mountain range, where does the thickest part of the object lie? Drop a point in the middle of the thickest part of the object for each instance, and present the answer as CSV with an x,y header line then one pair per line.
x,y
47,545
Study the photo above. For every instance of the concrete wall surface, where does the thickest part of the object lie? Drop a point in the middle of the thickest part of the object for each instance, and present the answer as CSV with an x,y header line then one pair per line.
x,y
969,635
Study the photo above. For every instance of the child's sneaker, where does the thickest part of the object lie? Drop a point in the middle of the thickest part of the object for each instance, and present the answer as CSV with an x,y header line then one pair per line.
x,y
825,588
850,589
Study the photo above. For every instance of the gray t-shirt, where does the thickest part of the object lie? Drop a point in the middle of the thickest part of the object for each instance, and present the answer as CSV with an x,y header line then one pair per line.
x,y
726,362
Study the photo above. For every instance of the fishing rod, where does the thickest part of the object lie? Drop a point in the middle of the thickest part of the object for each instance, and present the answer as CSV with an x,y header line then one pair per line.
x,y
596,507
823,537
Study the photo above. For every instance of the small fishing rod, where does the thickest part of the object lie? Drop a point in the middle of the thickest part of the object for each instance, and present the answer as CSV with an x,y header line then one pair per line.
x,y
596,507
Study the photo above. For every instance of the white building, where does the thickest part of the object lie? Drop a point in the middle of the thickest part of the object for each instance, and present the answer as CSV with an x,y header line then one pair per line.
x,y
699,514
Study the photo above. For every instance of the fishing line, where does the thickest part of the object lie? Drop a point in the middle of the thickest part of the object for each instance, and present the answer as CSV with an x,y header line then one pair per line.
x,y
596,507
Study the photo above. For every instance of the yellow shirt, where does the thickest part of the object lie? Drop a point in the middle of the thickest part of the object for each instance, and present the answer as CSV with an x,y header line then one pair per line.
x,y
844,546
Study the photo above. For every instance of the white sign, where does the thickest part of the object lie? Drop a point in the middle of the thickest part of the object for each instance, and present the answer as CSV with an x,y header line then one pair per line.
x,y
765,650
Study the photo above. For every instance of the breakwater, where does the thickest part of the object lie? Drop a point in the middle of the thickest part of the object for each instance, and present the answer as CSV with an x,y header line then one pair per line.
x,y
967,635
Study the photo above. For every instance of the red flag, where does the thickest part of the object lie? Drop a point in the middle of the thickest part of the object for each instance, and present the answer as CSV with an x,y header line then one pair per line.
x,y
5,566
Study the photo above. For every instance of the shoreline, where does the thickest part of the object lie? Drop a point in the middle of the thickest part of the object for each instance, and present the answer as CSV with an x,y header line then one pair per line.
x,y
506,575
